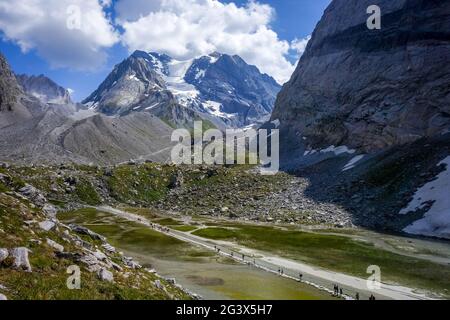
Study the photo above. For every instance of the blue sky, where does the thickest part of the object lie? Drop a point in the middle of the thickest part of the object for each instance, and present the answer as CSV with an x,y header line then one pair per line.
x,y
30,52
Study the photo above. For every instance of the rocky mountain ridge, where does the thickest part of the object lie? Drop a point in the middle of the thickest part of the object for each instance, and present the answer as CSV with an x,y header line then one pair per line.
x,y
9,89
220,88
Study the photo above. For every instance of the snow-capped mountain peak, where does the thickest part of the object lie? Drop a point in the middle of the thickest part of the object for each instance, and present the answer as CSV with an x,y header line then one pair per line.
x,y
221,88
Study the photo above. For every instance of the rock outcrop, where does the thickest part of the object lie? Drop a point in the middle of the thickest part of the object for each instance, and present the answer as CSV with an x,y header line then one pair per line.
x,y
370,89
9,89
14,107
20,257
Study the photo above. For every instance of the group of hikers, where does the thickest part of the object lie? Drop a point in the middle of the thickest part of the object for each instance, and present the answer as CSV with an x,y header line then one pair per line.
x,y
218,250
160,228
338,291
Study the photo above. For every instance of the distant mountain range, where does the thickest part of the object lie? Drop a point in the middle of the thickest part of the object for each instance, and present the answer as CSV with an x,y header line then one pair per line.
x,y
44,89
39,124
132,113
222,89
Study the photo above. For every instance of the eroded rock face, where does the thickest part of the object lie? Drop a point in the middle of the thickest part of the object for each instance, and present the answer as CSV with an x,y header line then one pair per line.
x,y
370,89
33,195
9,89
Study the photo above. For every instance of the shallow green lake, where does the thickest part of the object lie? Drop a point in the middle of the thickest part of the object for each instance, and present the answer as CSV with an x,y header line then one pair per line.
x,y
200,271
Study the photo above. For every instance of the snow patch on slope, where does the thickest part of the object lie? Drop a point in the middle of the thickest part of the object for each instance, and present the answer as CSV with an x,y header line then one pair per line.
x,y
338,150
214,107
183,91
436,222
133,77
352,163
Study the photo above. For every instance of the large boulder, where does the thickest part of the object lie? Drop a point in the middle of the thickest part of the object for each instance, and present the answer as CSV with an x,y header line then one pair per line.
x,y
87,232
34,195
20,256
56,246
3,254
47,225
105,275
50,210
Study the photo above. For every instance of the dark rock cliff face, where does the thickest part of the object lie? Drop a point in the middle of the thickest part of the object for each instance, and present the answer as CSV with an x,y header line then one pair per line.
x,y
9,89
370,89
15,105
240,88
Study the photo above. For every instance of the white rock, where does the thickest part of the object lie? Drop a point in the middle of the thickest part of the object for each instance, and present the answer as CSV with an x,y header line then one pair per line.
x,y
158,285
54,245
47,225
116,267
33,194
3,297
3,254
21,261
105,275
50,210
100,255
109,248
89,259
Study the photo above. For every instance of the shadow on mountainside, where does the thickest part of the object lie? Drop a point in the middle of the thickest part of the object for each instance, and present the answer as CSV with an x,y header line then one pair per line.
x,y
377,189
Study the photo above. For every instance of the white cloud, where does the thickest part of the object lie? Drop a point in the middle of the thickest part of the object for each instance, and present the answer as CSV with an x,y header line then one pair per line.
x,y
42,25
299,45
186,29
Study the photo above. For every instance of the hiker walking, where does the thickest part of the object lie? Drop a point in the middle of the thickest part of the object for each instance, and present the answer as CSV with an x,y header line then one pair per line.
x,y
300,276
341,292
357,296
